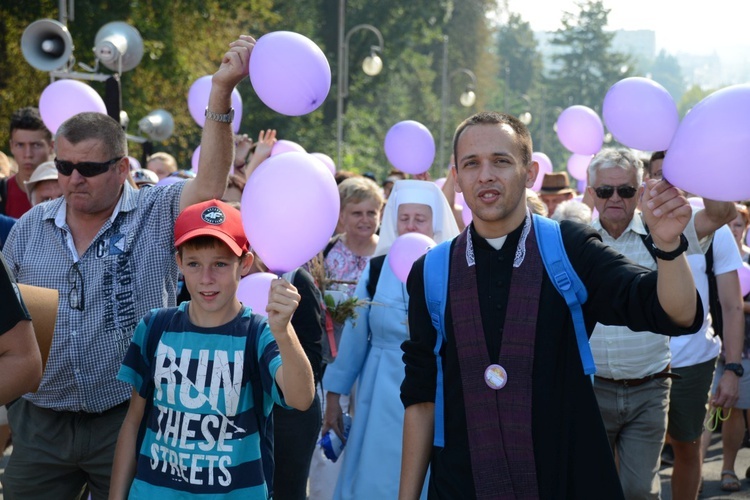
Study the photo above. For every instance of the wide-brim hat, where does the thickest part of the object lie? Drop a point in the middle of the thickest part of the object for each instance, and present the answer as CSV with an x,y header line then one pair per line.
x,y
556,183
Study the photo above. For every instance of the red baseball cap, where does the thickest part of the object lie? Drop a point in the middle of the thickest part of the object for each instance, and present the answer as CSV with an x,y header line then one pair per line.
x,y
212,218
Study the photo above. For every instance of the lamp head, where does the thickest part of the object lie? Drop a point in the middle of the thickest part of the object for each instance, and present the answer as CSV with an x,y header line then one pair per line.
x,y
117,40
373,64
46,44
158,125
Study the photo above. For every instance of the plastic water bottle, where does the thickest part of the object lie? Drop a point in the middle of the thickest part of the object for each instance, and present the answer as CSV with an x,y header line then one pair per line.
x,y
332,445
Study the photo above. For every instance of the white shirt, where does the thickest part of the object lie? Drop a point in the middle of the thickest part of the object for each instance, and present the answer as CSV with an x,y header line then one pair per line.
x,y
619,352
703,346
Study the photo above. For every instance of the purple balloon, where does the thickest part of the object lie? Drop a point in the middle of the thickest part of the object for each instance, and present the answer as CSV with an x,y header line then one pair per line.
x,y
290,207
641,114
198,101
406,249
545,167
253,291
581,186
327,161
289,73
708,152
63,99
744,274
466,215
580,130
578,165
134,163
284,146
440,182
410,147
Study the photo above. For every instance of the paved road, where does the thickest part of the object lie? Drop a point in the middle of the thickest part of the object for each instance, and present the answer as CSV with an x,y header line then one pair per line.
x,y
711,471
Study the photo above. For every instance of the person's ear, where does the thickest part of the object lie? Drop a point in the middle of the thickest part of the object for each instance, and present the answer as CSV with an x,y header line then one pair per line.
x,y
246,263
531,173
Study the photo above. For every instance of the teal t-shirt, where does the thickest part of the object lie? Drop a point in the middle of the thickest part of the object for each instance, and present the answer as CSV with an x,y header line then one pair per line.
x,y
202,432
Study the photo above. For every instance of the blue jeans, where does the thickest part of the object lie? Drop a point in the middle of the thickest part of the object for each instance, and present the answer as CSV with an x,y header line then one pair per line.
x,y
636,422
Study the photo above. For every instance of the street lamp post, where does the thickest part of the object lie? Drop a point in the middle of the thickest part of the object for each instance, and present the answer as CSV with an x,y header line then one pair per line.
x,y
372,65
467,99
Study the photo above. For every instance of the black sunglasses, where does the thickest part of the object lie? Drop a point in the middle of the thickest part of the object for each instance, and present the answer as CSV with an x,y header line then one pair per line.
x,y
85,168
605,192
75,279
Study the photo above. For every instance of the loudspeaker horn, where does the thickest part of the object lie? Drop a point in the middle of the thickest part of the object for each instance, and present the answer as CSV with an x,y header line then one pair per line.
x,y
46,44
158,125
118,39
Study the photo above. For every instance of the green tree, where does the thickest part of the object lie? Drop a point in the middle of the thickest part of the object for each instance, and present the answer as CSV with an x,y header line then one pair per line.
x,y
691,97
667,71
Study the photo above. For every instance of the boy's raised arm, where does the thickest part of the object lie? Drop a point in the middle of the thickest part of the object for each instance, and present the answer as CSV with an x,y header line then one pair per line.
x,y
295,377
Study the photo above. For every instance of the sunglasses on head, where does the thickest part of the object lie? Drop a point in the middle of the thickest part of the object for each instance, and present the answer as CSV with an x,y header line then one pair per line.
x,y
85,168
624,191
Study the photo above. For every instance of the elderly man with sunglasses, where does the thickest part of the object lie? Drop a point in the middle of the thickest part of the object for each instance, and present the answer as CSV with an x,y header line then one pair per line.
x,y
633,377
109,250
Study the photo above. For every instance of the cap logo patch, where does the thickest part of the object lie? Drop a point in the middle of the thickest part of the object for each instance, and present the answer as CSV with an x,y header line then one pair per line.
x,y
213,215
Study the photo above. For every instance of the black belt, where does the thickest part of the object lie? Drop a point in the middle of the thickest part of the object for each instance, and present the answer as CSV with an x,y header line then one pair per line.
x,y
635,382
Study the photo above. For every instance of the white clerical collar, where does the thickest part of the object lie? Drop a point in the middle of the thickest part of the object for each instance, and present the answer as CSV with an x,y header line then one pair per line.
x,y
497,243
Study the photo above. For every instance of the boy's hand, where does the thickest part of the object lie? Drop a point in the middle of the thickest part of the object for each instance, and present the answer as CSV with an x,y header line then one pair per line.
x,y
283,300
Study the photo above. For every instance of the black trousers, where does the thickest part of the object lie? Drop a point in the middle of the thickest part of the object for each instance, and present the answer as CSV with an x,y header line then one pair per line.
x,y
295,435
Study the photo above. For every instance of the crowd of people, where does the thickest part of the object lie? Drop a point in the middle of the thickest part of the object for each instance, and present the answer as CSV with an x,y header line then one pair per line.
x,y
470,380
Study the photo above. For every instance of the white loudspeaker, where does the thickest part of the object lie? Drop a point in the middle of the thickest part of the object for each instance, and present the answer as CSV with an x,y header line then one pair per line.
x,y
118,39
158,125
46,44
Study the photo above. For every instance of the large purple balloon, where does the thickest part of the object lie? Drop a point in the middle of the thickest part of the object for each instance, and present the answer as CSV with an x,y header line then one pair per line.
x,y
410,147
284,146
744,275
195,159
545,167
406,249
290,208
63,99
198,100
709,152
578,165
327,161
641,114
289,73
253,291
580,130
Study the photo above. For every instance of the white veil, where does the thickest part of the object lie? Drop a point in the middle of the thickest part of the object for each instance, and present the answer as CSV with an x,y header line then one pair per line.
x,y
425,193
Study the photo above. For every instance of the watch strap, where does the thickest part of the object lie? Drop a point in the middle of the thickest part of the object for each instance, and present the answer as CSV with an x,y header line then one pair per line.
x,y
736,368
661,254
219,117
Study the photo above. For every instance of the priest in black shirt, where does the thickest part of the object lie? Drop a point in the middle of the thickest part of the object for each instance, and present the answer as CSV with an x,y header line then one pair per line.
x,y
539,435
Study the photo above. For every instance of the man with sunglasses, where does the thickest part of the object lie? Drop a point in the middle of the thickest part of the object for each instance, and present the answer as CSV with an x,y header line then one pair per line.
x,y
633,378
109,251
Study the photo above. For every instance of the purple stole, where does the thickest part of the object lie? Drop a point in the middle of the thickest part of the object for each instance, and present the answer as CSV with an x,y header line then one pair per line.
x,y
499,421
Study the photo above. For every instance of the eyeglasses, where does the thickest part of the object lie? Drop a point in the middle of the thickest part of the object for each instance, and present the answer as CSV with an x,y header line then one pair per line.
x,y
75,296
85,168
624,191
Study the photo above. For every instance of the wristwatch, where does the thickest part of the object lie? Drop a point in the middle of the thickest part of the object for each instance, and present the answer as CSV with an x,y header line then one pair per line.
x,y
736,368
661,254
218,117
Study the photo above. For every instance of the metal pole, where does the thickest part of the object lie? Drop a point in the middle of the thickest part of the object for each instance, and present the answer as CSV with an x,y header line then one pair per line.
x,y
340,90
444,105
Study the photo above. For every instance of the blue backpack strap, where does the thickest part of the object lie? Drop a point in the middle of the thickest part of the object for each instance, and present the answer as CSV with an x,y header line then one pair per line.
x,y
159,320
566,281
436,264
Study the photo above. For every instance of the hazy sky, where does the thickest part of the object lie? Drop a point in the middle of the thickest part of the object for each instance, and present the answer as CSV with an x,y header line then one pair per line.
x,y
680,26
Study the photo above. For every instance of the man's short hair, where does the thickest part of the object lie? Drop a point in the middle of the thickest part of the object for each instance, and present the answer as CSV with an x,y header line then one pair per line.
x,y
615,158
98,126
523,137
656,155
28,118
